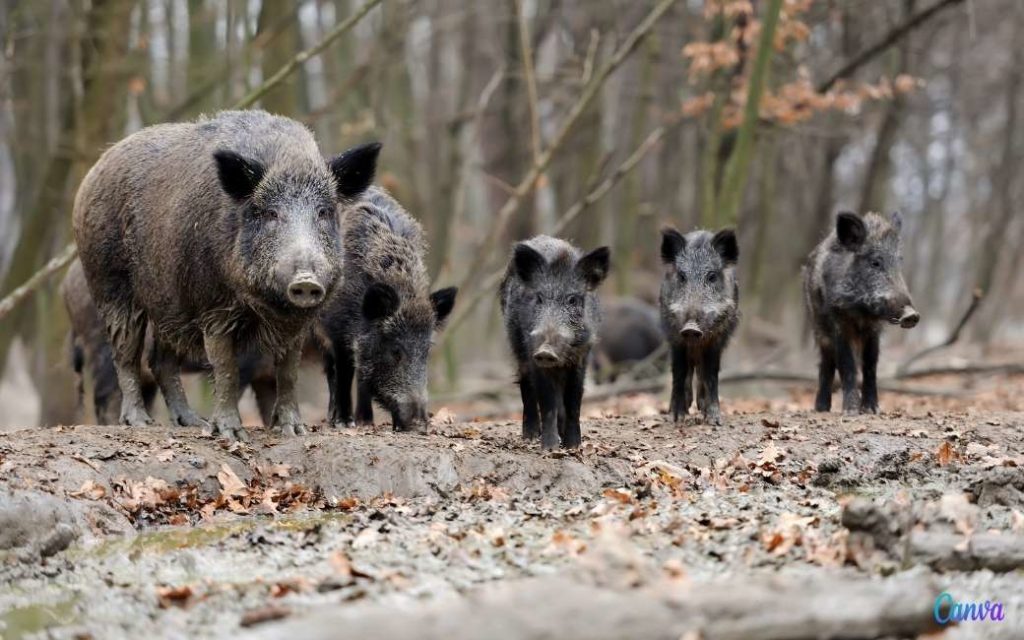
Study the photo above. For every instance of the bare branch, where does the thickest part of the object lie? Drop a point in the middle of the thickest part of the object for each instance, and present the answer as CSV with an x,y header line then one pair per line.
x,y
976,297
886,41
62,260
300,58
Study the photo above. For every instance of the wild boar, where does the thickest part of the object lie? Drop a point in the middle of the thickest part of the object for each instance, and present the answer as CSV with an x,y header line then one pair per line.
x,y
552,315
630,332
699,311
853,283
381,322
222,233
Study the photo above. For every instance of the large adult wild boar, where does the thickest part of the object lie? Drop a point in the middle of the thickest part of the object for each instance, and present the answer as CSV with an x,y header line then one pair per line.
x,y
854,283
224,234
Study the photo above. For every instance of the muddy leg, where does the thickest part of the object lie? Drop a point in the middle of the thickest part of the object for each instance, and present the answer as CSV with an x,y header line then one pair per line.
x,y
265,390
826,374
869,363
847,364
166,367
344,372
531,414
364,404
711,362
547,397
286,411
225,421
572,398
680,403
127,332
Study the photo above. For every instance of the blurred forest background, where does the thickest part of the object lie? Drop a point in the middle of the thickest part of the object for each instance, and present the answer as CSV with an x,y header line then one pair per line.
x,y
598,120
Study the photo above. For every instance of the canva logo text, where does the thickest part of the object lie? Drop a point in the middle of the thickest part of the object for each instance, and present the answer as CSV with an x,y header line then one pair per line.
x,y
947,610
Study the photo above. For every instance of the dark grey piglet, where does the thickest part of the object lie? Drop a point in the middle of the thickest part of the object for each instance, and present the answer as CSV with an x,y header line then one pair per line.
x,y
552,316
699,312
853,284
381,322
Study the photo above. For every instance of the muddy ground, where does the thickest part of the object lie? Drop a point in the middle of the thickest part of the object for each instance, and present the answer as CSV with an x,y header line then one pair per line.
x,y
653,529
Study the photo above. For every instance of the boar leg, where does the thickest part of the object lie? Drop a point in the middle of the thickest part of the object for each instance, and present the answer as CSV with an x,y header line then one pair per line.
x,y
166,366
364,404
548,398
681,389
344,373
869,363
697,371
225,421
826,374
287,418
127,334
847,364
531,414
572,397
265,391
711,362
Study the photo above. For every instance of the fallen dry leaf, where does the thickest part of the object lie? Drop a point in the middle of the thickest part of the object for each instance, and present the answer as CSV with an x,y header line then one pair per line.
x,y
444,415
231,484
90,490
174,596
947,454
264,614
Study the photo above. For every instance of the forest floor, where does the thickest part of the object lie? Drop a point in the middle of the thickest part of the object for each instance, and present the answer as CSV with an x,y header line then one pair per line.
x,y
781,523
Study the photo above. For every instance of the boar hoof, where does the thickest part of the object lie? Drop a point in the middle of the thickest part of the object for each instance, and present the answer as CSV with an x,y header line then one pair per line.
x,y
188,419
297,429
549,443
228,427
869,407
713,418
135,417
530,432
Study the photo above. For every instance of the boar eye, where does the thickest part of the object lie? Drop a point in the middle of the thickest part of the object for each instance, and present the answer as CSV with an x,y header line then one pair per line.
x,y
325,213
682,277
712,277
575,300
538,297
270,214
876,263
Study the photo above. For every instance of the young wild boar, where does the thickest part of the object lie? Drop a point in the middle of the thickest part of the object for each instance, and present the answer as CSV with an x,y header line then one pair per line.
x,y
380,323
853,283
551,316
224,235
630,332
699,312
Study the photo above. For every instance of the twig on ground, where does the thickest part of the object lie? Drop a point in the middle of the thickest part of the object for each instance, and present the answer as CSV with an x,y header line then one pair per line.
x,y
976,297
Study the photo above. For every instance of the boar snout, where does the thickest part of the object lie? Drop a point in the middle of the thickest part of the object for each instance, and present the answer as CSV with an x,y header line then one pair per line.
x,y
545,356
691,331
550,346
410,416
909,317
305,291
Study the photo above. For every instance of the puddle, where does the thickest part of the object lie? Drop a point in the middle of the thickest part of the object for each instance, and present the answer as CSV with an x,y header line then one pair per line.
x,y
22,622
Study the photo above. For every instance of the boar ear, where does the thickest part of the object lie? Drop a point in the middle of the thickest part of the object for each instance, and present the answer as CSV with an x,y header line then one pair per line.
x,y
725,244
527,260
897,221
672,244
354,169
443,300
594,266
238,176
379,302
850,230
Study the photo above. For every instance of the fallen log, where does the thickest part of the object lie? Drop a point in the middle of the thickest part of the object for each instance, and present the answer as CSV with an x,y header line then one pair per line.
x,y
819,607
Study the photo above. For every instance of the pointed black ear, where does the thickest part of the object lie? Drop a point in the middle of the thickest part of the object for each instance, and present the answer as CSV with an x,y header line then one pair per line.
x,y
354,169
725,244
238,177
897,221
672,244
527,260
850,230
379,302
443,300
594,266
